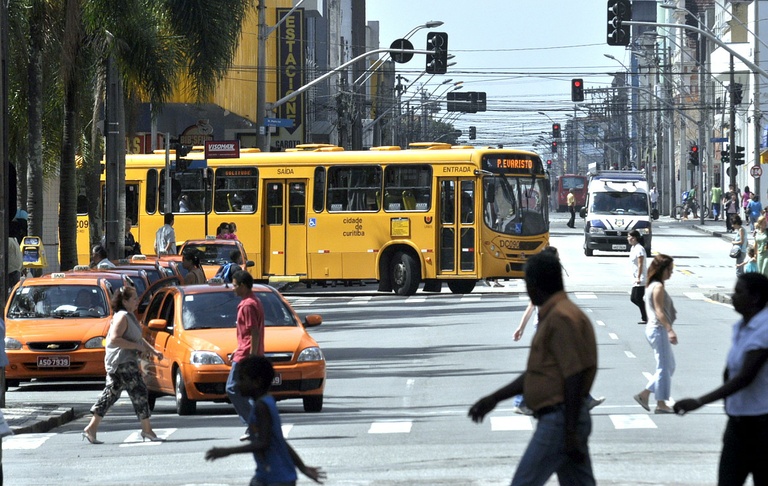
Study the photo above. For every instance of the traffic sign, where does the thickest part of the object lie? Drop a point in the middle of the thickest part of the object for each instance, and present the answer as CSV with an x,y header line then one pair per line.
x,y
718,139
756,171
278,122
402,57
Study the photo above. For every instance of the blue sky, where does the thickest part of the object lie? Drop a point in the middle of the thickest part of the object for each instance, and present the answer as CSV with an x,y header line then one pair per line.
x,y
523,54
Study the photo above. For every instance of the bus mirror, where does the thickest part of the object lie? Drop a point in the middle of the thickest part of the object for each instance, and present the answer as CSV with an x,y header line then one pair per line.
x,y
547,187
583,212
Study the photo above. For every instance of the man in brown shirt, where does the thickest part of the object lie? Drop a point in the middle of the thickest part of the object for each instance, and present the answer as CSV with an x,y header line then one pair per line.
x,y
561,369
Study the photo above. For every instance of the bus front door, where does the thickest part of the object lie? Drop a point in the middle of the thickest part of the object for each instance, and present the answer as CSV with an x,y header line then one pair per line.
x,y
285,228
457,228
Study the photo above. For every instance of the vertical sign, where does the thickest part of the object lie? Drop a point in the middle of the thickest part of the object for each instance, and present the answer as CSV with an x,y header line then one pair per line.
x,y
291,68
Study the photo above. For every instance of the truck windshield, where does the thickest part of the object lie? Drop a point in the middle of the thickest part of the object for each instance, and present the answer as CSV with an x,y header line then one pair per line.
x,y
619,203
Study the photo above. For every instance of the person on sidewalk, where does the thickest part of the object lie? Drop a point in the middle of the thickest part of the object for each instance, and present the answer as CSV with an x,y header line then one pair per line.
x,y
717,196
745,387
660,335
571,200
637,258
741,241
731,208
561,368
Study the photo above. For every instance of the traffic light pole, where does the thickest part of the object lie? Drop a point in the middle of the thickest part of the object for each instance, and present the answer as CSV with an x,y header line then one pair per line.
x,y
732,130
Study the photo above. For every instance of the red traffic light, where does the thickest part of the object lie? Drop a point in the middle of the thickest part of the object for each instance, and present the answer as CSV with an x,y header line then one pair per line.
x,y
577,89
576,83
549,163
695,148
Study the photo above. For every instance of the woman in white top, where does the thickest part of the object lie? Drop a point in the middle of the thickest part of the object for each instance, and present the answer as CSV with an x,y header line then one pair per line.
x,y
660,334
638,257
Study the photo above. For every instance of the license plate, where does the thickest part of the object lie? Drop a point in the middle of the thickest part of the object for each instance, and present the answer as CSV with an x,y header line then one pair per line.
x,y
53,361
618,247
277,380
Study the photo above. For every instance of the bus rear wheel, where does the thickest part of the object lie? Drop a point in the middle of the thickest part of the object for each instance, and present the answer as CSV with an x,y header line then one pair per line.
x,y
405,274
461,286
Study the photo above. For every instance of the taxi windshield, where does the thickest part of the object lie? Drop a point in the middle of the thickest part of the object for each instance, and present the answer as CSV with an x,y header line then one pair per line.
x,y
213,254
219,310
58,301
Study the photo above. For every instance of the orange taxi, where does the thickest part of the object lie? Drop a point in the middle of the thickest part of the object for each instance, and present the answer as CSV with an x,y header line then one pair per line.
x,y
194,327
215,253
56,326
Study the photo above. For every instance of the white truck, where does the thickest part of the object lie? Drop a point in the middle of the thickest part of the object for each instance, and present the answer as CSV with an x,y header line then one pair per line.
x,y
617,203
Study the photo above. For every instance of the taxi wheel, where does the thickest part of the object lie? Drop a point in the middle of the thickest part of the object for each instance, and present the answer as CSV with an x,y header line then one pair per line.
x,y
405,274
184,406
313,403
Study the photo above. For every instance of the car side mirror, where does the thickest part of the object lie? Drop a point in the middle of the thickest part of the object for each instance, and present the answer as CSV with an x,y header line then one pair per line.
x,y
157,324
583,212
313,320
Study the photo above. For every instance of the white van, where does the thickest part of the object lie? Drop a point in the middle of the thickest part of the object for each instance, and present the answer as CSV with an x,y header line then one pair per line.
x,y
617,203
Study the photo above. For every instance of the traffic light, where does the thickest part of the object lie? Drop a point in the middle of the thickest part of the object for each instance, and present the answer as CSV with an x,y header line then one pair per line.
x,y
437,61
549,163
555,130
577,89
693,155
181,152
472,132
738,156
554,147
737,92
619,11
725,155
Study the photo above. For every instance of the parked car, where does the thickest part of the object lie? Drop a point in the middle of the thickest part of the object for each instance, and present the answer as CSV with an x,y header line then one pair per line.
x,y
194,327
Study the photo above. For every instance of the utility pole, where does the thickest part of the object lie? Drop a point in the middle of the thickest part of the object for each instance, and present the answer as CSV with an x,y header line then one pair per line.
x,y
757,114
732,128
5,203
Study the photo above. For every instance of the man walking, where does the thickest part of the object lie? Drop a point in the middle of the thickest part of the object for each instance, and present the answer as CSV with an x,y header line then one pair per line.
x,y
250,339
165,237
571,200
562,365
717,196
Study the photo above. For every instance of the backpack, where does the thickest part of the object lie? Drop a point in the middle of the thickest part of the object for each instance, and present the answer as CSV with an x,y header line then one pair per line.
x,y
226,271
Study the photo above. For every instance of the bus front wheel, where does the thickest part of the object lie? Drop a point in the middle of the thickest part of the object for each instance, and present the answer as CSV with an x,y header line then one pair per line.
x,y
405,274
461,286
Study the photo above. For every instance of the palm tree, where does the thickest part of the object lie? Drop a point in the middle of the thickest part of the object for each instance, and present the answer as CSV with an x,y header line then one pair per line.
x,y
155,44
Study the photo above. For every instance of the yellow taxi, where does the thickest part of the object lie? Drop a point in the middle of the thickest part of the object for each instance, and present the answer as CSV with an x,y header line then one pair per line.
x,y
216,252
56,325
194,327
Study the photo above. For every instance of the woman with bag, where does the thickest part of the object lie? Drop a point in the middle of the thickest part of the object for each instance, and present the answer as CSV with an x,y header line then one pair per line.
x,y
740,243
121,359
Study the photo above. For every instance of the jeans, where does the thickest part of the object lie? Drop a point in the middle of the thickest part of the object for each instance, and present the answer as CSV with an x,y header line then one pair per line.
x,y
661,382
546,455
744,451
638,291
241,403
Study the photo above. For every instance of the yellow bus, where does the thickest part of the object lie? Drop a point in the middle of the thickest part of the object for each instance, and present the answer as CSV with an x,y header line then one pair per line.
x,y
320,214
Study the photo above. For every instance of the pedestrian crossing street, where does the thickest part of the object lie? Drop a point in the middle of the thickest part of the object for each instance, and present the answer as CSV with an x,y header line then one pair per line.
x,y
499,422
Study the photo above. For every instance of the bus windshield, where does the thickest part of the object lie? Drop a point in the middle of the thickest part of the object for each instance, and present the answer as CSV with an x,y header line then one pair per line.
x,y
620,203
514,205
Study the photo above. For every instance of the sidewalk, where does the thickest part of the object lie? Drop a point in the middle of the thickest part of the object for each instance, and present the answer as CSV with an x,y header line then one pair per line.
x,y
29,418
716,229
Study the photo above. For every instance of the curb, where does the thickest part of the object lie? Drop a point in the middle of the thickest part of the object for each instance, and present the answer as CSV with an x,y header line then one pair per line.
x,y
35,419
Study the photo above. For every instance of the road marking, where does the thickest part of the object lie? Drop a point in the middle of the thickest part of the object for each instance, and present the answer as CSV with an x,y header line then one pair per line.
x,y
695,295
600,323
390,427
613,336
302,301
634,421
25,441
360,300
286,428
511,423
415,299
630,354
648,376
585,295
135,439
469,299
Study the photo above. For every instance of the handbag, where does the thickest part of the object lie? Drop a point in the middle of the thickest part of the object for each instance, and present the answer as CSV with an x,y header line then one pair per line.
x,y
735,251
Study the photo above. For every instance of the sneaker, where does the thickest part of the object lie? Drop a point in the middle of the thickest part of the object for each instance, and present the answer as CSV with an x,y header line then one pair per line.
x,y
595,402
522,410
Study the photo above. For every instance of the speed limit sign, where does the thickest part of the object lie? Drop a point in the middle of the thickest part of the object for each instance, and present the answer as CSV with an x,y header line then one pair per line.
x,y
756,171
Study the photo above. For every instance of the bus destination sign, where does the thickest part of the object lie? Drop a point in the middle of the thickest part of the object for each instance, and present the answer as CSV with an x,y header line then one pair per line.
x,y
512,164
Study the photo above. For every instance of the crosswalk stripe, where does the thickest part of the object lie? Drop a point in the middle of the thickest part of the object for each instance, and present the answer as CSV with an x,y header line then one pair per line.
x,y
585,295
286,428
25,441
633,421
390,427
499,424
134,439
363,299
